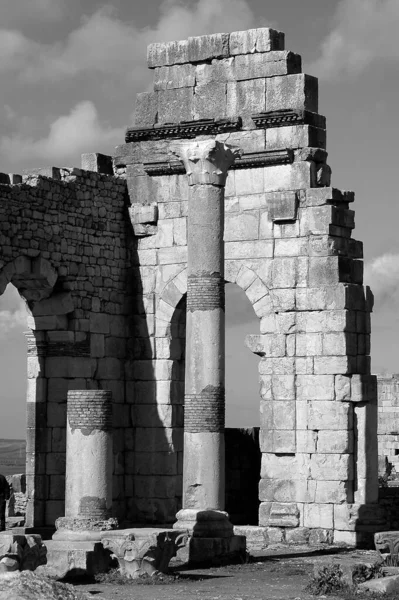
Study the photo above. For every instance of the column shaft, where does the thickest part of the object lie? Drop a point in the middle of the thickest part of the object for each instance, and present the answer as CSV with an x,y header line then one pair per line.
x,y
204,413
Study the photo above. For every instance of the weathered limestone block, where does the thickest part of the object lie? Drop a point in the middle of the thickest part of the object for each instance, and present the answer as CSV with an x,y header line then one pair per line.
x,y
282,206
268,64
319,516
331,467
207,47
286,491
292,91
175,105
322,414
286,515
295,136
256,40
317,387
285,467
100,163
245,98
169,53
209,101
146,109
177,76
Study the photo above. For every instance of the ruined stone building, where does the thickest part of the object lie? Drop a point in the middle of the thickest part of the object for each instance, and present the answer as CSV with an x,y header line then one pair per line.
x,y
231,135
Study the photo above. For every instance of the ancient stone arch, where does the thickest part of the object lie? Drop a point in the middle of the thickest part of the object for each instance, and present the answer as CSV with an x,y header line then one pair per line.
x,y
231,122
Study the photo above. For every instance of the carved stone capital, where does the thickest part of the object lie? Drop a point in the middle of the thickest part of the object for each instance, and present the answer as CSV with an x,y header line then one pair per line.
x,y
206,161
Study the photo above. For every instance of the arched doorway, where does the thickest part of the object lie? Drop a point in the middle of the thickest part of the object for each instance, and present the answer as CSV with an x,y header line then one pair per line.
x,y
13,375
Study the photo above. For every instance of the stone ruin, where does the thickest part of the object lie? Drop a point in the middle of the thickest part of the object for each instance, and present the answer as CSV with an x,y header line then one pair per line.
x,y
122,264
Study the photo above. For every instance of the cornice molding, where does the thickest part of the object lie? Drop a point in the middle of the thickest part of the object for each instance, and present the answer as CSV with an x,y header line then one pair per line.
x,y
284,118
183,130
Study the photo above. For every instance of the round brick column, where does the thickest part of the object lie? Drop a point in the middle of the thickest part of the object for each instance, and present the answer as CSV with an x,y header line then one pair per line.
x,y
206,163
89,462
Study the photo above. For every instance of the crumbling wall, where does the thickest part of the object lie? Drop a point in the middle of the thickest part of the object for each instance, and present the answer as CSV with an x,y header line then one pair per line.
x,y
63,245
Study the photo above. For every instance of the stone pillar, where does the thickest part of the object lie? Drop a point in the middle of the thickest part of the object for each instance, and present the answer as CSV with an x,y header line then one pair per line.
x,y
89,463
37,439
206,163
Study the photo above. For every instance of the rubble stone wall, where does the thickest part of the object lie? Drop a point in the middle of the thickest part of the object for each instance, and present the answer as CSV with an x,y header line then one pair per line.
x,y
63,245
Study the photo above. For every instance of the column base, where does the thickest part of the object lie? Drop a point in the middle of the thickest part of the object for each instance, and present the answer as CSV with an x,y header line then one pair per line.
x,y
83,528
214,551
206,523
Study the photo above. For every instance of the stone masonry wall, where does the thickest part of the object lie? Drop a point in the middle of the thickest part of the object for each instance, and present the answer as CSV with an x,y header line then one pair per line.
x,y
63,245
388,419
106,287
288,244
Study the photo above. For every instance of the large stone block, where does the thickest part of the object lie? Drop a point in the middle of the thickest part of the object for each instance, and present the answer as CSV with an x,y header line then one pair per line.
x,y
324,414
296,136
207,47
170,53
245,98
256,40
241,226
285,467
209,101
283,490
332,467
283,515
319,516
176,76
175,105
318,387
220,70
292,91
335,442
334,492
268,64
146,110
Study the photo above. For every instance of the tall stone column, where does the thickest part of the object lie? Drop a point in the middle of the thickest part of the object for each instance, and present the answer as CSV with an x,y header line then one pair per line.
x,y
207,163
89,462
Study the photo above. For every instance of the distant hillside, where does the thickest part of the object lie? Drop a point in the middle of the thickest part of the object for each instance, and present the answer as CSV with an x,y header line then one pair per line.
x,y
12,456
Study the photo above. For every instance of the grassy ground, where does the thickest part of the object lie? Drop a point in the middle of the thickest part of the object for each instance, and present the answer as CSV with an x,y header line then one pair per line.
x,y
12,456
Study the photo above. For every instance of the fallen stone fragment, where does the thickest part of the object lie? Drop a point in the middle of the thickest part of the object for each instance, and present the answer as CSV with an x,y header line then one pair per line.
x,y
384,585
28,586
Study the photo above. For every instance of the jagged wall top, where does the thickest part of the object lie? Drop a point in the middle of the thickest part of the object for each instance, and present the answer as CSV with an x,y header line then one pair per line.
x,y
217,45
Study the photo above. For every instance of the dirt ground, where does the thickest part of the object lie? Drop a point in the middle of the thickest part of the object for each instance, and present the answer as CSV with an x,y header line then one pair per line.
x,y
279,573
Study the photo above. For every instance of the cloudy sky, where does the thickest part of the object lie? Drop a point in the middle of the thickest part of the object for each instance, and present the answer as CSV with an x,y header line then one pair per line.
x,y
69,76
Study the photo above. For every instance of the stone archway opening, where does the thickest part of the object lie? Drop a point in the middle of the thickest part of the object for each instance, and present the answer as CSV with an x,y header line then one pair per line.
x,y
242,410
13,374
242,379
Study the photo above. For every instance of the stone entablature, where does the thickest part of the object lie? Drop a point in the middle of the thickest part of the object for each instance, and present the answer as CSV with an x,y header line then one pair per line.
x,y
287,243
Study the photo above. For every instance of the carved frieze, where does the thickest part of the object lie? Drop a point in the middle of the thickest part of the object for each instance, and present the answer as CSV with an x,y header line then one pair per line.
x,y
185,129
283,118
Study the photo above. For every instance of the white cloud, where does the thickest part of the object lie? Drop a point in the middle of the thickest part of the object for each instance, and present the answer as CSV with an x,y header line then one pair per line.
x,y
104,43
382,275
14,12
80,131
12,311
364,31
